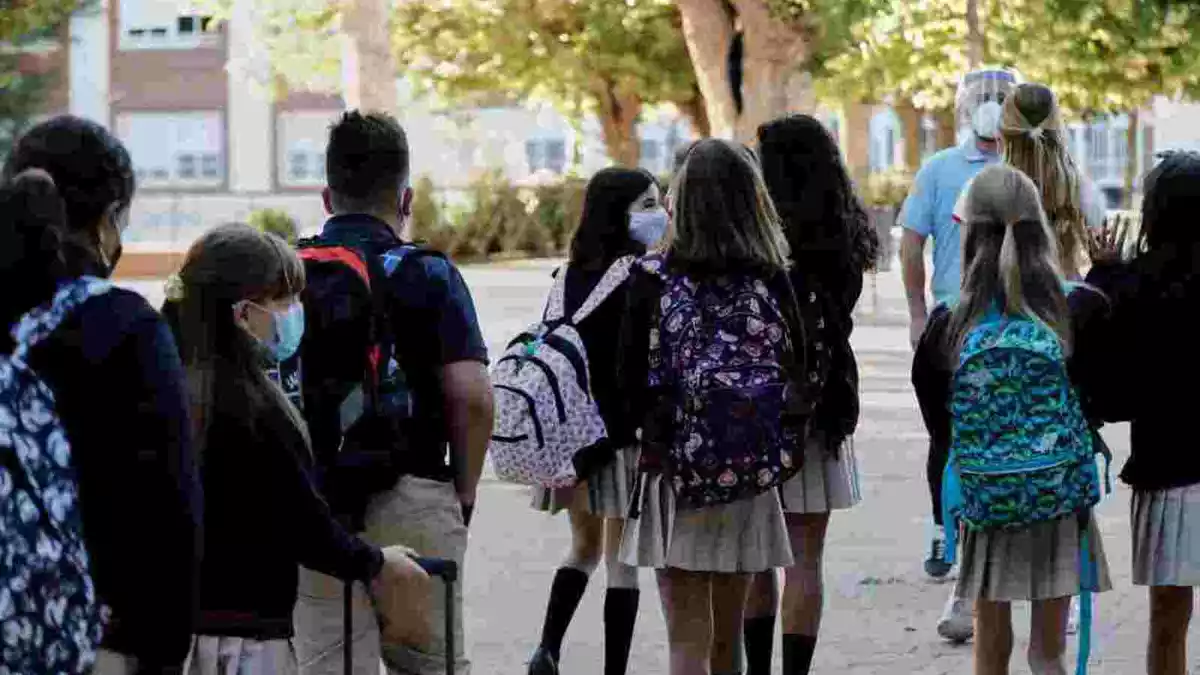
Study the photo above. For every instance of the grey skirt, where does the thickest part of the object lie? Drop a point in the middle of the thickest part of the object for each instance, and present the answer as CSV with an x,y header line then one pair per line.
x,y
608,490
212,655
825,482
1166,543
743,537
1037,563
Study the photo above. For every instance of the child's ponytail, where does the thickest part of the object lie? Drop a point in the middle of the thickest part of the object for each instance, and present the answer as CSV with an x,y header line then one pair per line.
x,y
33,218
1010,271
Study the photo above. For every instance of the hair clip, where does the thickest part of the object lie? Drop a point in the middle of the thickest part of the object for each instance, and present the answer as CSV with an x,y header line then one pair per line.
x,y
1036,133
174,288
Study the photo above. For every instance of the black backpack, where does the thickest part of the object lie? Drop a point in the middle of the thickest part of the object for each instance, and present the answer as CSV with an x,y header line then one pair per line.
x,y
357,400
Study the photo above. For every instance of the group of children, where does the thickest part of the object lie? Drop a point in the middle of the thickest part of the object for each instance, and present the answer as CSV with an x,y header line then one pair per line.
x,y
720,364
758,257
784,216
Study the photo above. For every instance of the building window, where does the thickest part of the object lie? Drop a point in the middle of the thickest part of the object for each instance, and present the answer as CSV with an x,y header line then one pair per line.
x,y
164,24
184,149
301,137
546,155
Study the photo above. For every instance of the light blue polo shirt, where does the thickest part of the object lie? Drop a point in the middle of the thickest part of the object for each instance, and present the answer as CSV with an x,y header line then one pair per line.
x,y
929,211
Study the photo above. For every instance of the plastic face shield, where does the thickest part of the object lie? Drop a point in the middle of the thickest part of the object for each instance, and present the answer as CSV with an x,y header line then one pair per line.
x,y
983,86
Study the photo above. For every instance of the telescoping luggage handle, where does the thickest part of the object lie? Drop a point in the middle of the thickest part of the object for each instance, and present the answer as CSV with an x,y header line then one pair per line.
x,y
447,570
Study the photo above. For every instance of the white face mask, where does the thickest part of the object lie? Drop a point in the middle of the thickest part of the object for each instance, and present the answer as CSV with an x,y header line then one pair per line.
x,y
648,227
985,121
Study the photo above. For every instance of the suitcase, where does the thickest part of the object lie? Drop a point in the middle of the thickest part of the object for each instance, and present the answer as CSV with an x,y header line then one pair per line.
x,y
446,570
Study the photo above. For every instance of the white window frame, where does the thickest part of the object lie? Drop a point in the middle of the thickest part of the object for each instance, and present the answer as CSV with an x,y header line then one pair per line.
x,y
185,162
152,24
302,133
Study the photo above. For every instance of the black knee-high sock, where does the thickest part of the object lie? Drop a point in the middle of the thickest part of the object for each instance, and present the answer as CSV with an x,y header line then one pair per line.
x,y
760,644
565,594
620,616
798,653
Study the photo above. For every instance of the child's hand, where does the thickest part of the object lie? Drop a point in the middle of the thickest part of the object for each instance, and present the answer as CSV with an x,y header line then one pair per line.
x,y
1108,244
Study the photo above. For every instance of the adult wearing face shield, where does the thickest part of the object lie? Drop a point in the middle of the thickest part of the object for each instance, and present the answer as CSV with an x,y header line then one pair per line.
x,y
929,212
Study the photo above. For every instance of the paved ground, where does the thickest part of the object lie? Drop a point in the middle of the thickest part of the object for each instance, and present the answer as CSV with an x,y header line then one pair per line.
x,y
880,610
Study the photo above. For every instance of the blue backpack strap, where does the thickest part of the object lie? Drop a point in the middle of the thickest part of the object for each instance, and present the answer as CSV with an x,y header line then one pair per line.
x,y
40,322
951,499
1087,581
393,258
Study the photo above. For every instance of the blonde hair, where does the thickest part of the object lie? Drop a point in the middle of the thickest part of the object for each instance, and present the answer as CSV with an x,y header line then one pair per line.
x,y
1010,258
1034,142
724,218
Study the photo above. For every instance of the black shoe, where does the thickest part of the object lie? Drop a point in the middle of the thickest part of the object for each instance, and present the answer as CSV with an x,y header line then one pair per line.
x,y
542,663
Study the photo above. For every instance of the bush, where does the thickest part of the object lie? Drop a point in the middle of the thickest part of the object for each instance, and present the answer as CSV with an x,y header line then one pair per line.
x,y
887,189
276,222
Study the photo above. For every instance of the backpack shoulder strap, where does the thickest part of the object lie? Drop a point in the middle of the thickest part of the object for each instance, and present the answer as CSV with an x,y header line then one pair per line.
x,y
393,258
556,304
40,322
616,275
319,250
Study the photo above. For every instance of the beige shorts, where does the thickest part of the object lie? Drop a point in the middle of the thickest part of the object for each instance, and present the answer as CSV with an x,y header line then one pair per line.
x,y
423,515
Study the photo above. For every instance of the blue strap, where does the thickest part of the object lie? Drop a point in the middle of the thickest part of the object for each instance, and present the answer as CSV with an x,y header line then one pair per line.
x,y
1087,581
951,499
392,259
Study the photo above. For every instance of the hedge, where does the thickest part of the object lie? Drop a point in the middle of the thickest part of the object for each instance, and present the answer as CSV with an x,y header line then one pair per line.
x,y
499,220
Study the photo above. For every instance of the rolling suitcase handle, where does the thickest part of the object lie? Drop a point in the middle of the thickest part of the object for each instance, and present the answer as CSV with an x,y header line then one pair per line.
x,y
448,571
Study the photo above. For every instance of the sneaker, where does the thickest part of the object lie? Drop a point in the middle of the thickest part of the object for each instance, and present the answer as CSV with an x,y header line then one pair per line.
x,y
542,663
958,621
935,565
1073,617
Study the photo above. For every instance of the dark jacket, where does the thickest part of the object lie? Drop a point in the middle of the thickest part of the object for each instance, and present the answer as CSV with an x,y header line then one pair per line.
x,y
828,316
264,517
1150,369
601,335
932,373
119,387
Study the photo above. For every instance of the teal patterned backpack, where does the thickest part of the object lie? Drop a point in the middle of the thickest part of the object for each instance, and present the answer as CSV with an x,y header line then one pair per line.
x,y
1021,450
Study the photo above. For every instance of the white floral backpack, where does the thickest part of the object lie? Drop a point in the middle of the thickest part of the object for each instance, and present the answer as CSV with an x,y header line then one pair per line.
x,y
545,412
50,618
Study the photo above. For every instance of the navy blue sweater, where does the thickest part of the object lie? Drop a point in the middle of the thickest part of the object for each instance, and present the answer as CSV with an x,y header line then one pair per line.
x,y
119,386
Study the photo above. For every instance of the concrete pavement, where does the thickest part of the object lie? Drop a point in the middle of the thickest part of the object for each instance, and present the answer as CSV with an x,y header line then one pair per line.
x,y
880,610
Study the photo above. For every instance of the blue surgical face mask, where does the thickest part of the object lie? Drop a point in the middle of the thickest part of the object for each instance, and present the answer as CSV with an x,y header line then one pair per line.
x,y
288,332
648,227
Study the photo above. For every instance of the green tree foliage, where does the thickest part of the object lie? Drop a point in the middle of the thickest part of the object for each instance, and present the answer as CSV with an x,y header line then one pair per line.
x,y
602,56
277,222
24,20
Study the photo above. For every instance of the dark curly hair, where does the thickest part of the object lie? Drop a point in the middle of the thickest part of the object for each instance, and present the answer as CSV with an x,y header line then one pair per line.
x,y
58,183
603,232
825,223
366,162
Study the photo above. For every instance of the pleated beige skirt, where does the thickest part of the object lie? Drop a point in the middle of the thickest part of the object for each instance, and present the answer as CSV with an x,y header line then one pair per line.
x,y
212,655
608,490
825,482
1037,563
743,537
1166,536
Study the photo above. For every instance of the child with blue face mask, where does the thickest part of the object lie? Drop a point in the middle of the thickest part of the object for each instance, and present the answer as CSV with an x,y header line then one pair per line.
x,y
235,311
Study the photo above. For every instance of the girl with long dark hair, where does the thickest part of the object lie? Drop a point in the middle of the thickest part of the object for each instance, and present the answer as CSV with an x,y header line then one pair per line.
x,y
622,215
832,245
1151,362
65,196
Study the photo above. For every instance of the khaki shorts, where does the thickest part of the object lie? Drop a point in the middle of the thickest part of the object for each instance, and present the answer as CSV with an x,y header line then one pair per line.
x,y
419,513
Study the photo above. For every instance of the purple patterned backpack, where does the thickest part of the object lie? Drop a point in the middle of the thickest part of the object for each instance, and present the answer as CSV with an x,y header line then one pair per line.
x,y
722,351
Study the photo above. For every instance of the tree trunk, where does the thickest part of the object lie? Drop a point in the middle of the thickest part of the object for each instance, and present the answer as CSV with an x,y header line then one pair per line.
x,y
619,107
976,46
1131,158
857,142
772,77
947,128
368,69
910,124
774,52
708,33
